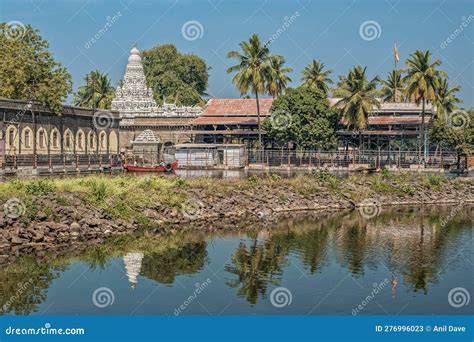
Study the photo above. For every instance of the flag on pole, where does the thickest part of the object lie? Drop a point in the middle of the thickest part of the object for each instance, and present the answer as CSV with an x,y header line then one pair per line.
x,y
397,56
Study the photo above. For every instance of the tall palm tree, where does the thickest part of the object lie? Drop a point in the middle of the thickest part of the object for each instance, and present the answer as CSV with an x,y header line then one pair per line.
x,y
421,84
315,76
446,99
394,80
359,97
277,79
253,65
97,93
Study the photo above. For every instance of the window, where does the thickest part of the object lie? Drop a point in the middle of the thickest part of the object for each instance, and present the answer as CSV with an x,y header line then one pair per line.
x,y
79,140
11,137
68,140
41,139
55,139
102,141
91,140
27,138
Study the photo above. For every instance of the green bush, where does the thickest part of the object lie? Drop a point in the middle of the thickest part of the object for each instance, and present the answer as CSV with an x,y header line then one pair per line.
x,y
39,188
408,189
254,180
434,182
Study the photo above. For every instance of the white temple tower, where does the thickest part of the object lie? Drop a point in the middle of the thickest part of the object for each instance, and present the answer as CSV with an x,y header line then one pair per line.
x,y
134,98
133,265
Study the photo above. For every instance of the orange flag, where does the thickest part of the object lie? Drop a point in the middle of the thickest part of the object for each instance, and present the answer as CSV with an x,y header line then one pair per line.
x,y
397,56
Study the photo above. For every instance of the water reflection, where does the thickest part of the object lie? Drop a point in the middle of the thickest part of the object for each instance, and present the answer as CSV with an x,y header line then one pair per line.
x,y
165,266
412,248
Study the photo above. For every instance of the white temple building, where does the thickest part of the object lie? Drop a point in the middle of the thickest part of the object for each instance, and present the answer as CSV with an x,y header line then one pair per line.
x,y
135,99
133,265
139,111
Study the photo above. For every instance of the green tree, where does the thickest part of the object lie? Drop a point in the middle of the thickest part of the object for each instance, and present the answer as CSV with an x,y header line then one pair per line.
x,y
359,98
394,80
28,70
456,133
175,77
277,80
421,83
252,70
303,116
97,93
315,76
446,99
184,259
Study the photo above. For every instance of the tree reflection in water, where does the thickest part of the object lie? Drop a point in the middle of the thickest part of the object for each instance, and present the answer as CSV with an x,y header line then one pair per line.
x,y
24,285
412,245
165,266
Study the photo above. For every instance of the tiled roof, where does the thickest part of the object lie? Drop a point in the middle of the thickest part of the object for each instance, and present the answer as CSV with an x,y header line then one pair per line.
x,y
220,120
233,112
397,120
244,112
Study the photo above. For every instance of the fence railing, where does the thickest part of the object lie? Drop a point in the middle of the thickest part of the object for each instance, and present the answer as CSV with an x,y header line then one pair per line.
x,y
65,160
250,157
350,159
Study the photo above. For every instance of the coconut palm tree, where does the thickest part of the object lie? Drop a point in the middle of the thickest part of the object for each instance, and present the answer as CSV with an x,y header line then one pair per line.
x,y
359,97
394,80
252,69
421,83
446,99
315,76
277,79
97,93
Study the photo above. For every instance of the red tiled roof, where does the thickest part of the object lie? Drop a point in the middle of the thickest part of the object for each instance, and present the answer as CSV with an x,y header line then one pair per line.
x,y
233,112
244,112
237,107
397,120
220,120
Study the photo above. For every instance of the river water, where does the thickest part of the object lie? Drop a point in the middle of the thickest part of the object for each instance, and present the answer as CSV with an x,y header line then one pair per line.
x,y
410,261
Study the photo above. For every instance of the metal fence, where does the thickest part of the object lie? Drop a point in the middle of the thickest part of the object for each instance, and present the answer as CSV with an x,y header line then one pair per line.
x,y
253,158
350,159
65,160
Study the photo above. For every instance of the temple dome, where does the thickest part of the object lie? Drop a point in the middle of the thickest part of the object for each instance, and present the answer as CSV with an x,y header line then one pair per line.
x,y
134,55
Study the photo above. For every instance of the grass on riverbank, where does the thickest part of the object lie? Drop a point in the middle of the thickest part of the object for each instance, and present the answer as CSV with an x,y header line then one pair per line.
x,y
126,196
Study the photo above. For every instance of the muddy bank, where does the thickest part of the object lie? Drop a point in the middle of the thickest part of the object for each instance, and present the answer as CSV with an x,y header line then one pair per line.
x,y
39,216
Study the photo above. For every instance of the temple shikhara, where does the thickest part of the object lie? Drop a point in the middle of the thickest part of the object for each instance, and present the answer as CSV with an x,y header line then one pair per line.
x,y
139,111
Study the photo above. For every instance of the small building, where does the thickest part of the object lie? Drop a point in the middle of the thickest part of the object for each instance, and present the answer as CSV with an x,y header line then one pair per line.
x,y
230,121
211,156
147,148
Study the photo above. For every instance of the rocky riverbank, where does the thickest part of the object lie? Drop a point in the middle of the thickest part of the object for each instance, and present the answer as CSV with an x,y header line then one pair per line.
x,y
42,215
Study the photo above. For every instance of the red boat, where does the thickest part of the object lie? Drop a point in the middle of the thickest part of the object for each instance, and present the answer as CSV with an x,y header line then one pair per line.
x,y
169,167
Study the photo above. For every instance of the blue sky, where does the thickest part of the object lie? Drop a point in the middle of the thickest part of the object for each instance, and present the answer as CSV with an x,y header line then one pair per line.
x,y
321,29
